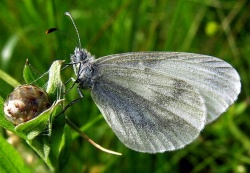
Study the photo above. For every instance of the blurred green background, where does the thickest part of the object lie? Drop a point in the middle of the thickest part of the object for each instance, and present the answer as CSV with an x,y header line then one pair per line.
x,y
212,27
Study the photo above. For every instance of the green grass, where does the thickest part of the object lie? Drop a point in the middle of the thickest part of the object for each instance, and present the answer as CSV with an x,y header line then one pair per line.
x,y
212,27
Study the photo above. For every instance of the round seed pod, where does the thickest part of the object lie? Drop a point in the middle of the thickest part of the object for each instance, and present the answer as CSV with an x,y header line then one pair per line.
x,y
25,103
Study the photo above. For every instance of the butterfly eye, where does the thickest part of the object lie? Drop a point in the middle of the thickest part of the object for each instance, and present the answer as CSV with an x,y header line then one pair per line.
x,y
25,103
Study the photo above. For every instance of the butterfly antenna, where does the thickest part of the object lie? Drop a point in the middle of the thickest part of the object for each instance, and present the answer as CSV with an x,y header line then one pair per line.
x,y
71,18
56,29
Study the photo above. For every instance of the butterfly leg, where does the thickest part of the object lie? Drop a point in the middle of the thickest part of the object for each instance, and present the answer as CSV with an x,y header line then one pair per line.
x,y
74,101
71,79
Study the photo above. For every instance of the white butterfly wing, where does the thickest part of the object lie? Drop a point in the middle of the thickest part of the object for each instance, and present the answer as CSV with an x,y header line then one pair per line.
x,y
216,80
156,102
150,116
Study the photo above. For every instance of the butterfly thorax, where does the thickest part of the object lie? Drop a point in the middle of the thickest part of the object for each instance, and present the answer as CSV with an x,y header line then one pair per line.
x,y
82,62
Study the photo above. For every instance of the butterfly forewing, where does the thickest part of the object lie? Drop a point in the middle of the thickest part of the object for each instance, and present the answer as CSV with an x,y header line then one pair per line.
x,y
216,81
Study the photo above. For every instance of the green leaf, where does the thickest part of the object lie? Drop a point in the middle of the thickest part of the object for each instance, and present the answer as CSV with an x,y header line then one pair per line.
x,y
65,144
30,75
53,145
8,79
10,159
57,140
41,144
55,83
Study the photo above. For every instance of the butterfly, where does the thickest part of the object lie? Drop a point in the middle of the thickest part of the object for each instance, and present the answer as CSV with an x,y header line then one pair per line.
x,y
157,101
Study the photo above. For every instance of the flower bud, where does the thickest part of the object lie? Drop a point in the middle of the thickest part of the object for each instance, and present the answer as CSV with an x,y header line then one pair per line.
x,y
25,103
